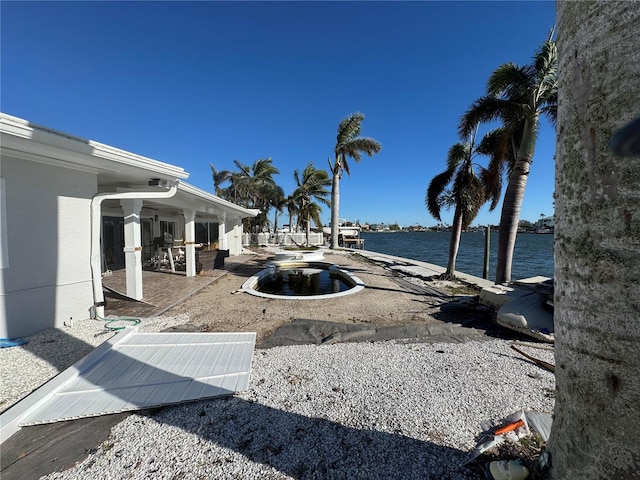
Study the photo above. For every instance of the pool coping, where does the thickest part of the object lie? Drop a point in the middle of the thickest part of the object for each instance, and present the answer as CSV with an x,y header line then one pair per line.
x,y
250,284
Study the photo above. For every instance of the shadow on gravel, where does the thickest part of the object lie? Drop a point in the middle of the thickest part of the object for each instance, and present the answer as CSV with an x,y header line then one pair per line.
x,y
310,448
293,444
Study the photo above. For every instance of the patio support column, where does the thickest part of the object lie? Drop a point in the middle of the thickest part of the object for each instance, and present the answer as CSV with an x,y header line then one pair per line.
x,y
222,232
189,240
133,246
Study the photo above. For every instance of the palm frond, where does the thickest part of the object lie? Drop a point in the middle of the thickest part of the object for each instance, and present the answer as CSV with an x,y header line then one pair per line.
x,y
263,169
244,169
492,178
349,128
435,189
344,165
551,112
297,177
219,177
545,60
353,148
469,194
509,81
497,144
483,110
457,154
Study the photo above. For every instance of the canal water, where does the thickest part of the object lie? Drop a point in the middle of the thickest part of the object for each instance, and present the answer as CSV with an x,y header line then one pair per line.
x,y
533,253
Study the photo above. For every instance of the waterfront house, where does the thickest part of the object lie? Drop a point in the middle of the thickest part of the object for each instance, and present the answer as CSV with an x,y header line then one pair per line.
x,y
72,209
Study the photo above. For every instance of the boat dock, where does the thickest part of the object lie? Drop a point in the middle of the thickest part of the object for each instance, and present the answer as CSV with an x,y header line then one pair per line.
x,y
354,242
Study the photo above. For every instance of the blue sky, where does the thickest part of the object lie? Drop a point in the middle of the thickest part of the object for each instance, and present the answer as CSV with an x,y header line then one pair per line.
x,y
191,83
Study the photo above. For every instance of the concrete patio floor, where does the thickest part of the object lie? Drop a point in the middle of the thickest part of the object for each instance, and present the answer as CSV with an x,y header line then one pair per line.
x,y
161,291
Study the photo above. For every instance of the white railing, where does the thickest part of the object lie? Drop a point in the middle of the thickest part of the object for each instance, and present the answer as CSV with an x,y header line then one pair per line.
x,y
284,239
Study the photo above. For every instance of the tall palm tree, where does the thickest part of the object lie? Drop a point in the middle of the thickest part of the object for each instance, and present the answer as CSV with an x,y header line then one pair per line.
x,y
349,143
311,185
597,348
517,96
219,177
467,194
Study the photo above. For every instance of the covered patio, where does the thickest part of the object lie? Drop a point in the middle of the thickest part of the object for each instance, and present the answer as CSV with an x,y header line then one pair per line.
x,y
162,291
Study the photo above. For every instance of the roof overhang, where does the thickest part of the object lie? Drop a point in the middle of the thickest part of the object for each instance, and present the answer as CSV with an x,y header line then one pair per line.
x,y
25,140
117,170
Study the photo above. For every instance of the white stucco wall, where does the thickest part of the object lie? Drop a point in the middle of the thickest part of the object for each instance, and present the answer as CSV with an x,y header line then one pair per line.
x,y
48,280
234,237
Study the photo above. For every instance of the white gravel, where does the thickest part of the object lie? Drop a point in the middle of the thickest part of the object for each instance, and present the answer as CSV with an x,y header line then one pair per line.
x,y
345,411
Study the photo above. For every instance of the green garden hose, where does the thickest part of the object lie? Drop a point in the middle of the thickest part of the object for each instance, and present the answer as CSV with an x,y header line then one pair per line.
x,y
131,322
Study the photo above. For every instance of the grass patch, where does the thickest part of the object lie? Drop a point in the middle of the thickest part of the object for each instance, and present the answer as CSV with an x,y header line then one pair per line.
x,y
464,289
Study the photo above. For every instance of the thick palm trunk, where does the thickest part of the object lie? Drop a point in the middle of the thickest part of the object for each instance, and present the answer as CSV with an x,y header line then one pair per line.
x,y
597,246
308,231
512,203
335,207
454,242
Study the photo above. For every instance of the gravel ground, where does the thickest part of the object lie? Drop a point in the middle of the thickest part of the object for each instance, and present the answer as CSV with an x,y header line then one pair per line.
x,y
360,410
398,409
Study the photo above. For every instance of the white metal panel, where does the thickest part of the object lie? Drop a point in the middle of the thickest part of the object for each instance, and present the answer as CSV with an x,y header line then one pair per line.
x,y
144,370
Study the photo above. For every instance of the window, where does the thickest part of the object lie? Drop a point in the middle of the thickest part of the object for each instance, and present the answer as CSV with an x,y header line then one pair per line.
x,y
167,231
206,232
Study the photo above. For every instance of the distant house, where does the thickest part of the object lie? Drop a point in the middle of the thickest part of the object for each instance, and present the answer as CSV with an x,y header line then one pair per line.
x,y
71,209
545,222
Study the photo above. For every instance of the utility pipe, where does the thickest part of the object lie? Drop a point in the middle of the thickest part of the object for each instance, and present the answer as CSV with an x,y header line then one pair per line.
x,y
96,252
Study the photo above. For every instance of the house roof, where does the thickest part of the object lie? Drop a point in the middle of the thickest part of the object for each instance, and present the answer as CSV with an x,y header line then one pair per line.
x,y
116,169
29,141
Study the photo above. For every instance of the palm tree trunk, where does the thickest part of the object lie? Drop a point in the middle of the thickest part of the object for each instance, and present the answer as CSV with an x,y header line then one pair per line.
x,y
308,231
512,203
454,242
597,246
335,206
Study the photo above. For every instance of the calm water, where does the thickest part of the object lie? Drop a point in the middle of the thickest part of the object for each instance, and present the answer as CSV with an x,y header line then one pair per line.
x,y
302,282
533,254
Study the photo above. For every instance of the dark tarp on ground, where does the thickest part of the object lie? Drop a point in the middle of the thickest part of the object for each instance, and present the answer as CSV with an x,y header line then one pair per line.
x,y
305,332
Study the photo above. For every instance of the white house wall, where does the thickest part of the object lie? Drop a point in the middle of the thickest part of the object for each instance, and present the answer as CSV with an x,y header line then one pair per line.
x,y
48,280
233,235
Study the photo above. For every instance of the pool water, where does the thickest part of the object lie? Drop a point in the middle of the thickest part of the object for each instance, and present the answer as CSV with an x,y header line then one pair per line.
x,y
303,282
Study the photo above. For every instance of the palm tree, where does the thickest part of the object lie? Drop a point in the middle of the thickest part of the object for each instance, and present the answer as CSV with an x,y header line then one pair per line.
x,y
349,143
219,177
236,191
253,187
467,194
261,181
292,210
278,201
517,96
597,348
311,185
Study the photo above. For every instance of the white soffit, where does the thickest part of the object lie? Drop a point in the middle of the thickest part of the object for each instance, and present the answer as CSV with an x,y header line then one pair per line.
x,y
134,371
